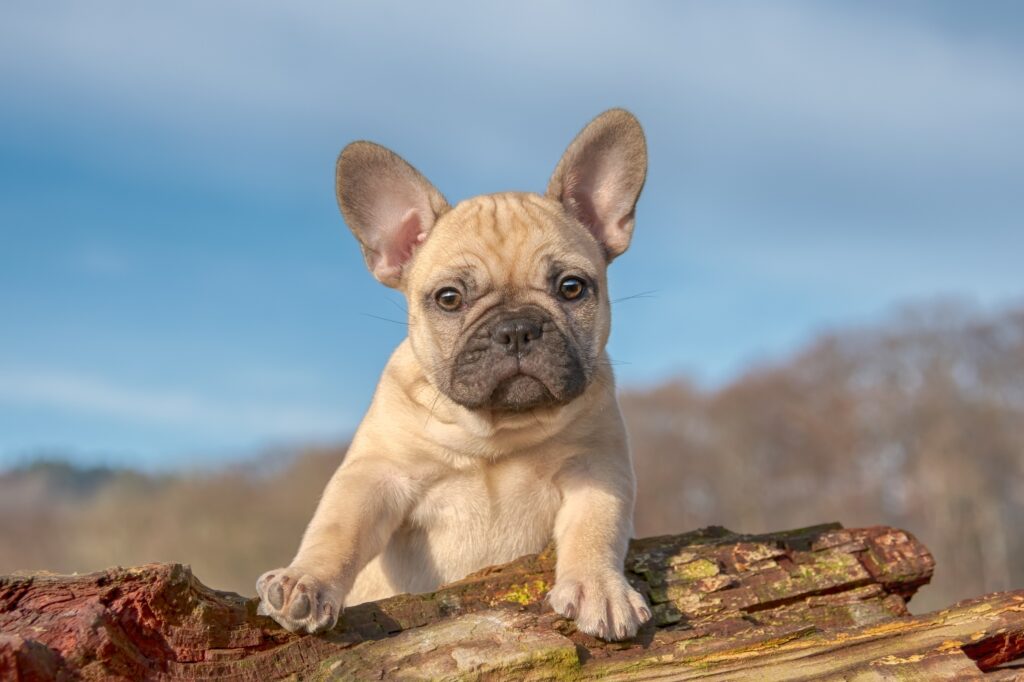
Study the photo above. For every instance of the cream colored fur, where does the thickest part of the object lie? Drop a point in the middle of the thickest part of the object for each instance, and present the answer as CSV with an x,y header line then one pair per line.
x,y
430,490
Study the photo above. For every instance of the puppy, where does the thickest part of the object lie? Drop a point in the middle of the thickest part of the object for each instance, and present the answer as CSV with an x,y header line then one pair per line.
x,y
495,426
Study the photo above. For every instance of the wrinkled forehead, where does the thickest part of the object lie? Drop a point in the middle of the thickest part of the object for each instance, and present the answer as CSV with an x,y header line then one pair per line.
x,y
510,239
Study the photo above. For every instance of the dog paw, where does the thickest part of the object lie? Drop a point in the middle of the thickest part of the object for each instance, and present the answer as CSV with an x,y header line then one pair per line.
x,y
603,605
297,600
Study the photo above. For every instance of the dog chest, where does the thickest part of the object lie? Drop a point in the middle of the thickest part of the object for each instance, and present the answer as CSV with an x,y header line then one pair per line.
x,y
493,512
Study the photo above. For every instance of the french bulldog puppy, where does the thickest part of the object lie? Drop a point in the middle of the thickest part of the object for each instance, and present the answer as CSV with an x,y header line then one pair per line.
x,y
495,426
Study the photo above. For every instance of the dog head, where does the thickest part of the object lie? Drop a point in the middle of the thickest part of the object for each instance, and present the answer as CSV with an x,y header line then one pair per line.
x,y
507,293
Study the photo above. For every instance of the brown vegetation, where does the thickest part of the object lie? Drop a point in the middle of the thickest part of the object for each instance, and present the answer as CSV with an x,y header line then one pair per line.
x,y
918,423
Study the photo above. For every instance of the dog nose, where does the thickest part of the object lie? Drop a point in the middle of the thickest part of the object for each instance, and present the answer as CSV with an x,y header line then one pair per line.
x,y
517,336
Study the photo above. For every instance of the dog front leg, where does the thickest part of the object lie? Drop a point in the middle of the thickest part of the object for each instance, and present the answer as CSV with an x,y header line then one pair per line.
x,y
592,532
364,503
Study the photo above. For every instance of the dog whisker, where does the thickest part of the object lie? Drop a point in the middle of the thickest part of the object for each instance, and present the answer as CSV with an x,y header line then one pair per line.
x,y
397,305
385,319
643,294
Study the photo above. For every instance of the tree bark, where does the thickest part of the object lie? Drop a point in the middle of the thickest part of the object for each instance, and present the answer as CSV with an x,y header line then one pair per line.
x,y
816,603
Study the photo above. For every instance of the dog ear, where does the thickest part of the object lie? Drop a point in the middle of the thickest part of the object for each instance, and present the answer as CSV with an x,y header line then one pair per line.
x,y
389,206
600,176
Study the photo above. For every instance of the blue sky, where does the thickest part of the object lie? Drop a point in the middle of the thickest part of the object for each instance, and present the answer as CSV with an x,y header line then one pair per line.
x,y
178,288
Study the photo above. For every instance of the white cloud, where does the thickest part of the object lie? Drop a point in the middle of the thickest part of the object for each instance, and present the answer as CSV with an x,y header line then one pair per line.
x,y
818,71
81,393
100,260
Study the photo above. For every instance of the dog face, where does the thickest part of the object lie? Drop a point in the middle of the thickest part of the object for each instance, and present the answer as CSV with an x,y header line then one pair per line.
x,y
507,293
508,304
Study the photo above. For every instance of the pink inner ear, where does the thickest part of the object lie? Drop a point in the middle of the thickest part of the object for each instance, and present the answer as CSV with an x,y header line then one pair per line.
x,y
398,248
599,201
595,202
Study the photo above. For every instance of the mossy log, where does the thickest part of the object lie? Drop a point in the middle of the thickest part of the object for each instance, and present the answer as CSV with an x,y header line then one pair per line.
x,y
816,603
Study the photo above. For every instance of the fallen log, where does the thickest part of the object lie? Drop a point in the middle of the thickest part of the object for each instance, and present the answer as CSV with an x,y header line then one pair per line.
x,y
816,603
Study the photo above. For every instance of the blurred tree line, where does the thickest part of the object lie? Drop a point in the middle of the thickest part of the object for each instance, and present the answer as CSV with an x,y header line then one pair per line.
x,y
916,422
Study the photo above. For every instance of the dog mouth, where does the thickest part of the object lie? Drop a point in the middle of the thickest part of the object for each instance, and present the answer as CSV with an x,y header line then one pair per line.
x,y
511,385
520,392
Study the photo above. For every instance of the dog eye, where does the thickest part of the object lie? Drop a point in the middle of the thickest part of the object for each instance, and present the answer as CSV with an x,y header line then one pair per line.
x,y
448,298
571,288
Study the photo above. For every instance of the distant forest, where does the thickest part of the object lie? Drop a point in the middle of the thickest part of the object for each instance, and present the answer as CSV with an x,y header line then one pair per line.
x,y
917,422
